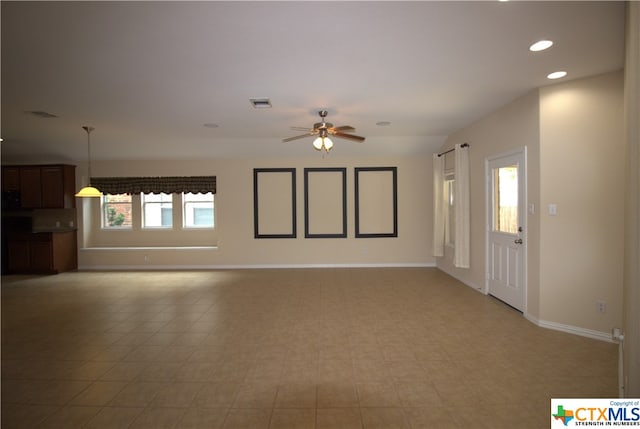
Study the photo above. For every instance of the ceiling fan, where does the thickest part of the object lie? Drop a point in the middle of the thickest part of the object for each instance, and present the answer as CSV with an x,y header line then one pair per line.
x,y
323,130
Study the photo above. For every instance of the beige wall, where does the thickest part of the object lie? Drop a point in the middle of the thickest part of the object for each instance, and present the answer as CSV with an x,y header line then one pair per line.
x,y
582,171
575,158
631,300
235,242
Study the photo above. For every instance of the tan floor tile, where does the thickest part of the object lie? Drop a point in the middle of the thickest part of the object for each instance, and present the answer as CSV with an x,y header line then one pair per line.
x,y
158,418
68,417
162,339
300,373
301,418
247,337
114,417
251,418
136,394
256,396
197,418
338,418
160,371
58,392
406,370
113,353
25,416
427,418
370,370
124,371
99,393
92,370
377,395
418,394
383,418
145,353
296,396
338,394
195,371
177,394
216,395
265,370
335,370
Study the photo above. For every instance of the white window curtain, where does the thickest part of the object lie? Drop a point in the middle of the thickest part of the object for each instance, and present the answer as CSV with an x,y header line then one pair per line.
x,y
438,205
462,252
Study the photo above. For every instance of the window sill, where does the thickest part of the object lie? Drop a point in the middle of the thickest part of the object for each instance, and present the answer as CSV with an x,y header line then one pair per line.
x,y
147,248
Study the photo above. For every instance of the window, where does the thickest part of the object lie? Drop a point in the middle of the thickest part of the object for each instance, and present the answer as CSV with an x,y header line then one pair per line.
x,y
197,210
449,220
116,211
506,199
157,210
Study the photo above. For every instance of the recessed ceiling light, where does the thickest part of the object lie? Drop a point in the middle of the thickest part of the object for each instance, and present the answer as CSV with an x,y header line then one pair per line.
x,y
383,123
260,103
541,45
210,125
556,75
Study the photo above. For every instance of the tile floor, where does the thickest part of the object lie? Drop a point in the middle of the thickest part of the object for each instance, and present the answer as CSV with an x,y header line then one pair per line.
x,y
317,348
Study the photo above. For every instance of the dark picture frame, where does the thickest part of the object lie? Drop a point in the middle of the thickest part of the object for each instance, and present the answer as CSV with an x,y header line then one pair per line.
x,y
273,188
376,202
316,207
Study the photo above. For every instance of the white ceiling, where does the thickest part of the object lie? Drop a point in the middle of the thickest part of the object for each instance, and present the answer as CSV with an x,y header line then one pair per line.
x,y
148,75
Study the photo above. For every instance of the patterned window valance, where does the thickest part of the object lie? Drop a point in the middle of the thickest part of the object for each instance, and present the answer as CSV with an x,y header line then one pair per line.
x,y
167,185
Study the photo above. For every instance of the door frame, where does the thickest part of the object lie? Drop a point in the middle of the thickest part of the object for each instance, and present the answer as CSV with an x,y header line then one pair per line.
x,y
522,152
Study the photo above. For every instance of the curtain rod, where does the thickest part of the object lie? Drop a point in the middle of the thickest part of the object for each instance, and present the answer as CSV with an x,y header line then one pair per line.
x,y
451,150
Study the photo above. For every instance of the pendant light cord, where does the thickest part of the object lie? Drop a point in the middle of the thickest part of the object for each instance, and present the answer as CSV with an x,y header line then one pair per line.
x,y
88,129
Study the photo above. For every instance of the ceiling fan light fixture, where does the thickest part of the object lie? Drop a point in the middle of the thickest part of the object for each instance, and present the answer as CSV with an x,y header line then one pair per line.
x,y
323,143
322,131
328,144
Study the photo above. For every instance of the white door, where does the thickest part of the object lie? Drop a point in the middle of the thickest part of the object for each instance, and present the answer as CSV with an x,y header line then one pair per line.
x,y
506,228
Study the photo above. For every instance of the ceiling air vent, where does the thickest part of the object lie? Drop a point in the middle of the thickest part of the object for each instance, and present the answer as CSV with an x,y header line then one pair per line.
x,y
260,103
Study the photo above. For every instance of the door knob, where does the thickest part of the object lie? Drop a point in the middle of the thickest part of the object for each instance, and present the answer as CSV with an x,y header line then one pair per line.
x,y
518,241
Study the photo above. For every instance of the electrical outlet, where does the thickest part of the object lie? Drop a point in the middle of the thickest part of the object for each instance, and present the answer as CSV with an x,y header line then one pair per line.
x,y
602,306
146,259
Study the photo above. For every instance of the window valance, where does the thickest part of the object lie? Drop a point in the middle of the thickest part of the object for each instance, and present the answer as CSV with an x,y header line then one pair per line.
x,y
164,184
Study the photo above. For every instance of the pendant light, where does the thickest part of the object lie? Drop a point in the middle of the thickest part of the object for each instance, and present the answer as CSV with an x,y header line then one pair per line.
x,y
88,191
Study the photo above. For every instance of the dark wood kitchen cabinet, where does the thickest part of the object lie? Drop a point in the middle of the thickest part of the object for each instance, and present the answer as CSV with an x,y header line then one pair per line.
x,y
30,187
42,252
10,179
40,186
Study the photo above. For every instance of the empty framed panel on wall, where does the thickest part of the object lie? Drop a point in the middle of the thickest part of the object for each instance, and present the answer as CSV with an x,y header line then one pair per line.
x,y
376,202
274,202
325,202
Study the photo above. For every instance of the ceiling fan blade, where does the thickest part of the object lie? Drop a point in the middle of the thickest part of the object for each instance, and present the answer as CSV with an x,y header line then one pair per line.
x,y
297,137
301,129
348,128
348,136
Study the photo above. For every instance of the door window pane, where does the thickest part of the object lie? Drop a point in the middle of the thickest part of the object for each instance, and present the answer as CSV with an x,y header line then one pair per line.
x,y
505,211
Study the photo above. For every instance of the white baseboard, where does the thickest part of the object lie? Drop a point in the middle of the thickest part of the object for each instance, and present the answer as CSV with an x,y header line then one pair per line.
x,y
242,267
570,329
